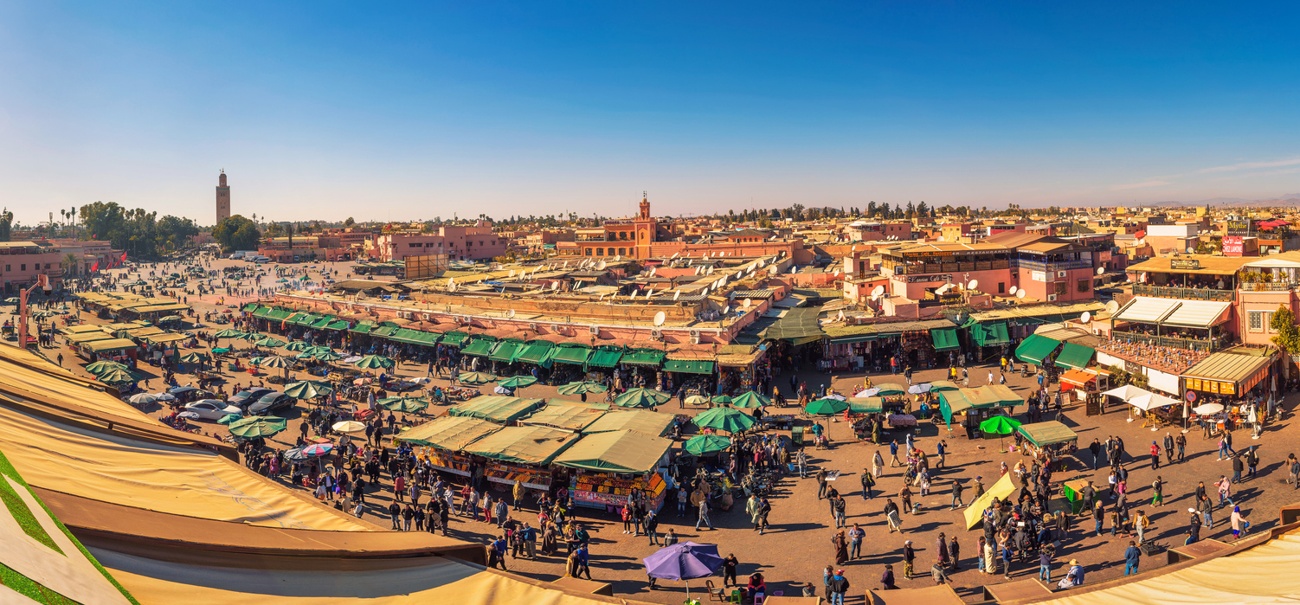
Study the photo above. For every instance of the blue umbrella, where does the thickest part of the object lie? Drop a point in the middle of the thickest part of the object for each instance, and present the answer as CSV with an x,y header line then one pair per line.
x,y
684,561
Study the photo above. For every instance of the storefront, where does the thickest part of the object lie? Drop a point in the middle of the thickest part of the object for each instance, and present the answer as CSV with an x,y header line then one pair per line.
x,y
609,466
442,441
1232,374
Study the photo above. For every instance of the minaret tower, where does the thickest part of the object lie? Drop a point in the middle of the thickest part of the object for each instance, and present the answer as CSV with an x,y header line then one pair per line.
x,y
223,198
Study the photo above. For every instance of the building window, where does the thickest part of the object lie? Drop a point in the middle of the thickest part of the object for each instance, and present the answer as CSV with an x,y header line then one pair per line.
x,y
1002,288
1259,319
589,251
1085,284
622,251
600,252
22,267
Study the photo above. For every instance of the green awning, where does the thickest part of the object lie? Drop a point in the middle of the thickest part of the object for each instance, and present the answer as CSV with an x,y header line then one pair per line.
x,y
454,339
945,339
604,357
536,352
262,312
250,307
866,405
322,322
414,337
843,340
304,319
1075,356
796,325
480,346
363,327
507,350
642,357
383,331
337,325
688,366
571,354
990,334
1036,348
279,314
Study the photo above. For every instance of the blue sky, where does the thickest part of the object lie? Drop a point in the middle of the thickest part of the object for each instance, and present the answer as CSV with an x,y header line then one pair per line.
x,y
328,110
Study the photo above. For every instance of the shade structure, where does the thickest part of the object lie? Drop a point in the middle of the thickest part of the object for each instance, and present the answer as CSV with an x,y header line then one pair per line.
x,y
1047,433
269,342
450,433
642,398
622,452
943,385
531,445
730,420
918,389
703,445
1150,402
945,339
1206,409
374,362
1127,392
297,346
826,407
316,450
229,418
580,387
570,416
100,367
999,425
326,355
251,336
116,376
220,350
258,427
974,514
1075,356
890,388
408,405
497,408
697,399
274,361
643,421
193,358
230,333
307,389
750,399
349,427
515,382
683,561
722,399
1036,348
475,378
143,399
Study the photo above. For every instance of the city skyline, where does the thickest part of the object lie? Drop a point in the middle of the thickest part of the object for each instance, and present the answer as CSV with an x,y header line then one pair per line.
x,y
445,110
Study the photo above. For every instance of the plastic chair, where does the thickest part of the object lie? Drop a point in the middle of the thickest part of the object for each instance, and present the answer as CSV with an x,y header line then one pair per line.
x,y
714,592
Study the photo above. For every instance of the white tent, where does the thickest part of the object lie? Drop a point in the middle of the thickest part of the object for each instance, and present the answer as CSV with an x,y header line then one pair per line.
x,y
1127,392
1152,401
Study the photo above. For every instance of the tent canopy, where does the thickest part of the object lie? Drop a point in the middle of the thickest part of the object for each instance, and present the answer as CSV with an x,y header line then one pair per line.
x,y
450,433
533,445
974,513
568,416
1075,356
627,452
497,408
641,421
945,339
1036,348
1047,433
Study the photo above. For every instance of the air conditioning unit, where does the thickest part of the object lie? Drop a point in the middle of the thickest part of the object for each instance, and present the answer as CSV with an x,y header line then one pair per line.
x,y
1051,298
428,317
656,334
595,330
466,320
1060,274
404,314
695,337
533,327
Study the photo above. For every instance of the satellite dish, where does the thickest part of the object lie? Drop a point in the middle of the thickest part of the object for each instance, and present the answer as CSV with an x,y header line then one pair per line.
x,y
1112,307
453,287
875,297
1085,318
653,270
450,283
555,286
837,273
674,255
878,290
710,271
1020,294
677,294
1191,250
510,313
726,309
512,273
794,269
840,316
1013,290
618,257
698,269
1101,270
974,283
649,293
660,318
747,303
600,266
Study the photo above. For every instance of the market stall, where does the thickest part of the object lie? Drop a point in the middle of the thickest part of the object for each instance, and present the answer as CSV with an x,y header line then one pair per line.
x,y
498,408
116,349
522,453
567,415
608,466
1050,436
976,405
444,440
641,421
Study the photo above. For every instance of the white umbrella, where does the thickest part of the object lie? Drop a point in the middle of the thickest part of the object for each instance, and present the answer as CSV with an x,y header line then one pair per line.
x,y
500,390
871,392
352,359
1151,401
835,396
1206,409
917,389
1127,392
164,397
143,399
348,427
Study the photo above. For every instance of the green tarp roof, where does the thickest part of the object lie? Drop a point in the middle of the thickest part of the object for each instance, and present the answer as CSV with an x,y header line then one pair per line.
x,y
1075,356
694,366
1036,348
497,408
262,312
532,445
571,354
250,307
337,325
866,405
1047,433
626,452
536,352
278,314
796,325
454,339
322,322
363,327
383,331
414,337
945,339
642,357
449,432
507,350
990,334
605,357
481,346
642,421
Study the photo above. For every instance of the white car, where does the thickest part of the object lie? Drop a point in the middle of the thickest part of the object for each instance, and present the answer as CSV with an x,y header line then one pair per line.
x,y
212,409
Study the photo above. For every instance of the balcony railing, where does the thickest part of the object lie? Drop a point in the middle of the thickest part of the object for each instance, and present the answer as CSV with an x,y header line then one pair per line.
x,y
1184,293
1281,286
1190,344
1054,265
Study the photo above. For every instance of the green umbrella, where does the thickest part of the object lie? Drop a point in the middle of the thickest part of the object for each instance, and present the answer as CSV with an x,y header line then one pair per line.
x,y
258,426
297,346
475,378
826,407
721,400
99,367
307,389
724,419
254,336
750,399
117,376
642,398
374,362
194,358
229,418
269,342
327,355
943,385
999,425
703,445
580,387
220,350
274,361
404,404
515,382
230,333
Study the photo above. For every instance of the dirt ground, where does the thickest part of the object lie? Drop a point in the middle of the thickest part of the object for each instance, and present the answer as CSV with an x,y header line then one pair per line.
x,y
798,544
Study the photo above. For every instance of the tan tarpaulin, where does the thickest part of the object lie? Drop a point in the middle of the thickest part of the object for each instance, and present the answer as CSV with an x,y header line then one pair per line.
x,y
23,383
975,512
627,452
567,416
417,580
1263,574
449,432
180,481
536,445
641,421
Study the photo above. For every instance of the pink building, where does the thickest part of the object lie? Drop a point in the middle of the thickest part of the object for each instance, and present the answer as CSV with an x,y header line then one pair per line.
x,y
457,242
21,262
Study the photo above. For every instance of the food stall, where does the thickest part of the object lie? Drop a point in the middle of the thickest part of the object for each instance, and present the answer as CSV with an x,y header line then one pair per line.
x,y
500,409
113,349
1050,436
1084,382
608,466
566,415
443,441
522,453
641,421
975,405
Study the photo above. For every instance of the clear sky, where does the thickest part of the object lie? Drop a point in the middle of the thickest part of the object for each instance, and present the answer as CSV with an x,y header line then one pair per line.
x,y
328,110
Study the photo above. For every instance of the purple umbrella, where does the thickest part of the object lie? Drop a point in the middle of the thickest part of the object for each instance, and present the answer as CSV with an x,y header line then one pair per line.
x,y
684,561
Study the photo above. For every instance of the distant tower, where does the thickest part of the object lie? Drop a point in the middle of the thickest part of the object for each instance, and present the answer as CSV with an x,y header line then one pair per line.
x,y
223,198
646,229
645,206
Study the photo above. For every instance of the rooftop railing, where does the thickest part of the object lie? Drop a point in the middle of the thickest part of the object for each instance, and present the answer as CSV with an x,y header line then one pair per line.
x,y
1184,293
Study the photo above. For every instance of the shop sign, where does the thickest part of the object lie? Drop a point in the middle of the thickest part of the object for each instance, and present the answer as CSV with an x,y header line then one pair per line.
x,y
943,277
1186,264
1038,276
1233,245
1217,387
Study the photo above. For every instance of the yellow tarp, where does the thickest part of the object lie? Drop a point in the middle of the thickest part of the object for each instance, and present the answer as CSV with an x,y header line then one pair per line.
x,y
975,512
56,385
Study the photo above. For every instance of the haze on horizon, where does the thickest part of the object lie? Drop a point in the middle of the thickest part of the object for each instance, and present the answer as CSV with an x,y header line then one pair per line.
x,y
328,110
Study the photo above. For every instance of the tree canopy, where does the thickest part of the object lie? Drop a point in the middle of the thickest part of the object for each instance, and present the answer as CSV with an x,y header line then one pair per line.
x,y
237,233
142,234
1288,335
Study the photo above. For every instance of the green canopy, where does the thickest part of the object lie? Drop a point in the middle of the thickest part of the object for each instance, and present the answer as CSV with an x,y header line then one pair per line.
x,y
100,367
642,398
506,351
480,346
750,399
703,445
307,389
945,339
730,420
497,408
414,337
536,352
580,387
274,361
604,357
229,418
404,404
362,327
220,350
297,346
454,339
1075,356
193,358
475,378
269,342
116,376
230,333
374,362
890,388
943,385
642,357
253,336
826,407
1047,433
1036,348
990,334
326,355
692,366
866,405
515,382
258,426
999,425
722,399
570,354
623,452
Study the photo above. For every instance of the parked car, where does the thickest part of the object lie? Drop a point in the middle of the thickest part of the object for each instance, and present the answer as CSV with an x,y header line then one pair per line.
x,y
186,394
212,409
248,397
271,403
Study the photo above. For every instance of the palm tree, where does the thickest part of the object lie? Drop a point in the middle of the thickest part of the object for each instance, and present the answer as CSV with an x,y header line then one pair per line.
x,y
69,263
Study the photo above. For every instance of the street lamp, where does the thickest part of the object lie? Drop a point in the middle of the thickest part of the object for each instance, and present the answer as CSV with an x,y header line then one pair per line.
x,y
43,282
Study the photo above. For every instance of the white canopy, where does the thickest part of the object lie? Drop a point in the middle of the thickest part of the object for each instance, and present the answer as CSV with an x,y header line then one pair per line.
x,y
1150,402
1197,313
1127,392
1146,309
1273,263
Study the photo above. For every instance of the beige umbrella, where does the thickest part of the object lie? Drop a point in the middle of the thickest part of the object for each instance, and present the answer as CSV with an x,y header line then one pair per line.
x,y
349,427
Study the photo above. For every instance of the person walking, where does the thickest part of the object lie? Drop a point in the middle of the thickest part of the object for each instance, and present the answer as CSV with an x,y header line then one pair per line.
x,y
821,483
839,587
1293,469
1155,455
956,494
1095,449
1158,492
909,558
868,482
892,517
877,465
1132,555
1239,522
703,514
1181,442
729,565
1045,562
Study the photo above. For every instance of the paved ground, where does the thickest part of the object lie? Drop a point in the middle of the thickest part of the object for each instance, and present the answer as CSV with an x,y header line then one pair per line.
x,y
798,545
